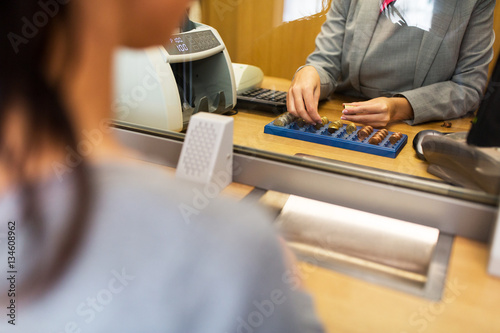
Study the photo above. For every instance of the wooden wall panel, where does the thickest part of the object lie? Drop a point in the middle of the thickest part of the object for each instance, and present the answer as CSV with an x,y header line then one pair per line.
x,y
285,48
255,34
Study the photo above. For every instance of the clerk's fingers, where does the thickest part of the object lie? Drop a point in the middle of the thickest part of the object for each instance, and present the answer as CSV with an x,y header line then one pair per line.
x,y
372,119
376,105
297,107
311,100
290,100
296,102
303,95
374,112
290,103
352,109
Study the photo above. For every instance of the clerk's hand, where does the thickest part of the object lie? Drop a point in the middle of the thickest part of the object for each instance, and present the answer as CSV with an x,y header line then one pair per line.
x,y
303,96
378,112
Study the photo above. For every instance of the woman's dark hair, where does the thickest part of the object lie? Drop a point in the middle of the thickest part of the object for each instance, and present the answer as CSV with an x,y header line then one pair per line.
x,y
25,30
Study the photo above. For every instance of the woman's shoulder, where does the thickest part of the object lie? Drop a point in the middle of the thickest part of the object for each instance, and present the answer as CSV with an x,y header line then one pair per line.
x,y
149,193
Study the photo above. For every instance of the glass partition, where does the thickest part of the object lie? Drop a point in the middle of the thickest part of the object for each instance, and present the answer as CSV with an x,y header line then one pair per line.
x,y
261,33
277,36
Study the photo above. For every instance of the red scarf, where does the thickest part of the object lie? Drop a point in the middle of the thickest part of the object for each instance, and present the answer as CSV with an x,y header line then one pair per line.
x,y
385,4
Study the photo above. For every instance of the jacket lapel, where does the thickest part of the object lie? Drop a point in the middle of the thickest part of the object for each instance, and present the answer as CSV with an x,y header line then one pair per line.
x,y
365,26
442,16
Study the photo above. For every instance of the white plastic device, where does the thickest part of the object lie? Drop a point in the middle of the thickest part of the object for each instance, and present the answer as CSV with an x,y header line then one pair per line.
x,y
247,77
163,86
146,90
207,152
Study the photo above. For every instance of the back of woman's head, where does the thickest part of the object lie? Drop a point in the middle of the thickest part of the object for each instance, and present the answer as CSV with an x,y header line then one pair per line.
x,y
26,28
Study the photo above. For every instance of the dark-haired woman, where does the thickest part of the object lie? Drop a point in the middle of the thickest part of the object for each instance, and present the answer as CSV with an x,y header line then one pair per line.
x,y
93,242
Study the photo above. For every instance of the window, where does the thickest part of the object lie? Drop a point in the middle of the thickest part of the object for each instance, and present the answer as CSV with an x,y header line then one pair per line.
x,y
296,9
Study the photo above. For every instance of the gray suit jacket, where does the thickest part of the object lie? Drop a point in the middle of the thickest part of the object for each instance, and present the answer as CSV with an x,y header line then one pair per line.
x,y
451,66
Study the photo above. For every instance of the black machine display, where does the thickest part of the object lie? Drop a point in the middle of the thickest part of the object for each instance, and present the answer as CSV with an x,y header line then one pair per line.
x,y
192,43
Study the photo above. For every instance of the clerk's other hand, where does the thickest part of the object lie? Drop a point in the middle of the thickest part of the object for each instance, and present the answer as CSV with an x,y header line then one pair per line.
x,y
378,112
303,95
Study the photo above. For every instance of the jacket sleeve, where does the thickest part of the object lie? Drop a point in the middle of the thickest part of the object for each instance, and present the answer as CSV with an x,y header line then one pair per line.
x,y
328,53
463,91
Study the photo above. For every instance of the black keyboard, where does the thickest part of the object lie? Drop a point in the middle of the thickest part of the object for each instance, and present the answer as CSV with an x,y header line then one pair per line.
x,y
263,100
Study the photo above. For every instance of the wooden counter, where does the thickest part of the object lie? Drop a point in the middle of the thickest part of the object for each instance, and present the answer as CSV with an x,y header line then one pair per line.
x,y
471,300
249,131
470,303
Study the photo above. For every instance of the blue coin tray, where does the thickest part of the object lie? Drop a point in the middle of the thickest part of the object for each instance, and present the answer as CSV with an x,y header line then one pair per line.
x,y
339,139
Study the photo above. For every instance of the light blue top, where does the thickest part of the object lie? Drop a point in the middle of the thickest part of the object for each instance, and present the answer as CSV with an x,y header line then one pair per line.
x,y
148,266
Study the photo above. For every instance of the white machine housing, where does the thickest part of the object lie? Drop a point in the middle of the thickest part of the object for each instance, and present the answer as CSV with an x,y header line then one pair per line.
x,y
161,87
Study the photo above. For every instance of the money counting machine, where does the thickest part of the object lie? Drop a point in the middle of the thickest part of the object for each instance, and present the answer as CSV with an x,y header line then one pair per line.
x,y
162,87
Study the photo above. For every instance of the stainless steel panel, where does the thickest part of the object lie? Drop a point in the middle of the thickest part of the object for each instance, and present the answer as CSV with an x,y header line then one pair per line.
x,y
270,172
375,238
393,253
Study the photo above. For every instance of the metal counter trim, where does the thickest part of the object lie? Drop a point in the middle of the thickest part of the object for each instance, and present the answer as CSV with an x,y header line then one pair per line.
x,y
274,172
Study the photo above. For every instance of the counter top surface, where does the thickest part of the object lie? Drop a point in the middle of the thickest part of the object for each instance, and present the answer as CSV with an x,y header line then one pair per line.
x,y
249,132
470,303
471,300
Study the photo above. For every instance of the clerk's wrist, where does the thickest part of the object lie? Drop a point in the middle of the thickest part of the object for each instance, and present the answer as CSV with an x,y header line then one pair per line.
x,y
402,109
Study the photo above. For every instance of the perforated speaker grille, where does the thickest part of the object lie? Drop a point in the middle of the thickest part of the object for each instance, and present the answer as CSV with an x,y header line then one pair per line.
x,y
200,146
